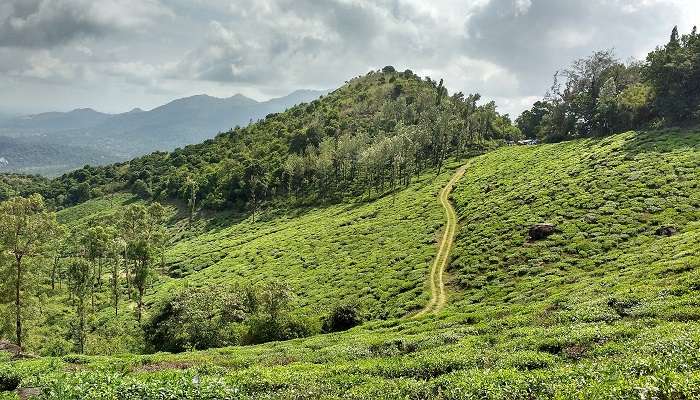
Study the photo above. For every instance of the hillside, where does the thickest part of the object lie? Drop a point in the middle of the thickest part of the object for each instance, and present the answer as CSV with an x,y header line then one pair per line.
x,y
606,307
101,138
370,135
40,156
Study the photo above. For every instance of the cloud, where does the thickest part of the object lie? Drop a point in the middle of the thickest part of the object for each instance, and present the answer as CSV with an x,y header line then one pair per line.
x,y
307,41
47,23
505,49
534,38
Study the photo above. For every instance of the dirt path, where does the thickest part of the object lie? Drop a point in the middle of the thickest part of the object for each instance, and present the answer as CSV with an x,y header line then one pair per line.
x,y
437,286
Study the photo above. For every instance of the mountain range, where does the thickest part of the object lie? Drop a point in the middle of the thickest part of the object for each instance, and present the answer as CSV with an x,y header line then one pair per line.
x,y
56,142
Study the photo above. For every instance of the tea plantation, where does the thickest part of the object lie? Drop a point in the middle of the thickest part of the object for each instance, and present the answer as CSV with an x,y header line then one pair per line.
x,y
606,307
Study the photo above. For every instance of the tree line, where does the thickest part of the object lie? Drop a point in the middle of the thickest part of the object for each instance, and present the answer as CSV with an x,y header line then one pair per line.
x,y
34,248
367,137
599,94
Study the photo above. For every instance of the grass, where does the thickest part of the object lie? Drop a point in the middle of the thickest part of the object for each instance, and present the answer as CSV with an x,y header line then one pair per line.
x,y
605,308
377,253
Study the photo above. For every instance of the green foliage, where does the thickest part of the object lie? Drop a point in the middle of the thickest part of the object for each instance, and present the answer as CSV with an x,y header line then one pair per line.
x,y
329,149
598,95
26,226
342,317
198,319
673,72
604,308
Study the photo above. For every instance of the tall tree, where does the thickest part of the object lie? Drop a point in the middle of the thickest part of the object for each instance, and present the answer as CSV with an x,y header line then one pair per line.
x,y
26,226
82,277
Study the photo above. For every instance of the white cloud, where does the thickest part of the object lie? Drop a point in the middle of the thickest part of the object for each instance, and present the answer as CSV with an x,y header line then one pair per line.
x,y
141,52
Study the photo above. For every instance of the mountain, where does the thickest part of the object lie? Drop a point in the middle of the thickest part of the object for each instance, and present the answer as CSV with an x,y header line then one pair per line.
x,y
105,138
379,122
40,124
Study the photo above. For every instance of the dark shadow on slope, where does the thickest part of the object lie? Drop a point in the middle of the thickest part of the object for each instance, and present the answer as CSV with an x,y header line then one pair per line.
x,y
664,141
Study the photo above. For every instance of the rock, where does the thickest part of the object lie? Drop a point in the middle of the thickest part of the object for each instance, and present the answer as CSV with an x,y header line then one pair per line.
x,y
24,356
29,393
666,231
9,347
541,231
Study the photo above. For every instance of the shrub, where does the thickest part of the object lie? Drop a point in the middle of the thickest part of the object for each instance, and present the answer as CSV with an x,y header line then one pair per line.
x,y
9,380
342,317
197,318
262,329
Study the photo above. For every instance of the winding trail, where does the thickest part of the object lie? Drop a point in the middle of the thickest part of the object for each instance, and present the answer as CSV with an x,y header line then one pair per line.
x,y
437,286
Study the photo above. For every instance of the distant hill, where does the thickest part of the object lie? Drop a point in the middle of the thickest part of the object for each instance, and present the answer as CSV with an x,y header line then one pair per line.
x,y
47,143
50,122
34,156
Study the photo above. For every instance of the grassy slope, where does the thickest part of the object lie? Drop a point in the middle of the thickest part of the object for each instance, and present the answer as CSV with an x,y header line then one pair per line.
x,y
604,309
376,252
607,197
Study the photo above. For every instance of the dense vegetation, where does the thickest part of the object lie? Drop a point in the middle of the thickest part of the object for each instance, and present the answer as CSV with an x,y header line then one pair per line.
x,y
600,95
319,253
54,143
605,308
372,134
12,185
376,135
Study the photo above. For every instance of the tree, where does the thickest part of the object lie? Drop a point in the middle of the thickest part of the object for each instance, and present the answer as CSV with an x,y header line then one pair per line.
x,y
342,317
26,226
81,277
96,242
530,121
275,297
192,188
79,193
673,72
118,248
606,117
145,238
142,189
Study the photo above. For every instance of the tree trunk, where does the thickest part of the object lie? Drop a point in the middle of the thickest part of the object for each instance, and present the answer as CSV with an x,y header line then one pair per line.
x,y
81,333
18,304
99,272
115,286
139,310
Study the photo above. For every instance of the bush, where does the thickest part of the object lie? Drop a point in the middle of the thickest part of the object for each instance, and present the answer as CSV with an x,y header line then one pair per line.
x,y
197,319
342,317
262,329
8,381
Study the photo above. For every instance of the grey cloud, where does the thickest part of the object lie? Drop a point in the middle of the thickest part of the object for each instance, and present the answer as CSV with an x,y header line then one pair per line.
x,y
47,23
533,39
310,41
505,49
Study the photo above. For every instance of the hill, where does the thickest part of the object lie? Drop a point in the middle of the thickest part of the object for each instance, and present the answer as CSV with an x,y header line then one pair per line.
x,y
281,180
370,135
605,306
102,138
37,156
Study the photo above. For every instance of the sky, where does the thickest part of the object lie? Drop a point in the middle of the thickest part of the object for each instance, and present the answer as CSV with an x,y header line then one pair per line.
x,y
114,55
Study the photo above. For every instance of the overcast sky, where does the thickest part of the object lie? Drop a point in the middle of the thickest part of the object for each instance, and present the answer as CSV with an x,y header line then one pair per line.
x,y
113,55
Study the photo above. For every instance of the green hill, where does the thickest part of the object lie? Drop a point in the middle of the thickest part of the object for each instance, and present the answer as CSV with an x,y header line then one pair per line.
x,y
605,307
